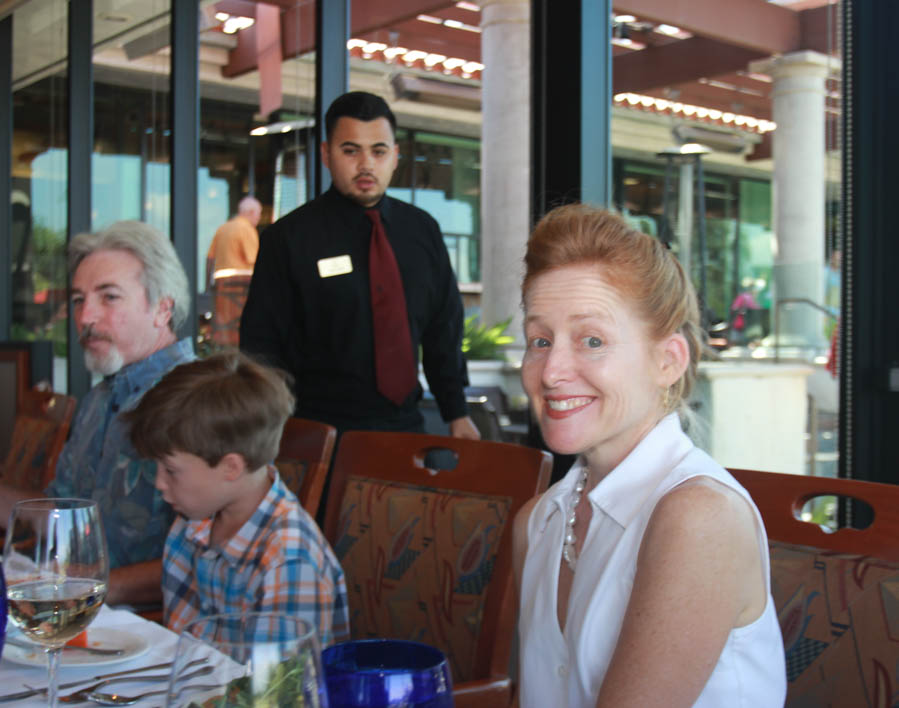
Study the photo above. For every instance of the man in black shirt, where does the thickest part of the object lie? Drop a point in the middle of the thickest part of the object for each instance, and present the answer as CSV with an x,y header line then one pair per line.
x,y
309,308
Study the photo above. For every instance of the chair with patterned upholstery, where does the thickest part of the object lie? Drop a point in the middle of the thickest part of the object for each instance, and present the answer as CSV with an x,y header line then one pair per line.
x,y
40,431
836,592
422,525
304,459
230,298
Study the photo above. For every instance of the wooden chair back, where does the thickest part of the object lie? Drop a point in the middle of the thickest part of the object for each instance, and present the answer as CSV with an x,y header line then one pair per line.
x,y
304,459
781,497
39,434
427,546
230,298
834,592
15,378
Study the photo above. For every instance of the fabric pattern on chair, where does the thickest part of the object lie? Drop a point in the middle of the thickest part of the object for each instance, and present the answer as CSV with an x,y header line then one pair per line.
x,y
839,614
230,298
418,561
30,447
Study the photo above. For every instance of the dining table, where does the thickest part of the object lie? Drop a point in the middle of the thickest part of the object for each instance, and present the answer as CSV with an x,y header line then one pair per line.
x,y
146,643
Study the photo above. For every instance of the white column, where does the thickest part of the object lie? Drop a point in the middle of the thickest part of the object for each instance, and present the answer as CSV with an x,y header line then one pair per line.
x,y
505,157
799,189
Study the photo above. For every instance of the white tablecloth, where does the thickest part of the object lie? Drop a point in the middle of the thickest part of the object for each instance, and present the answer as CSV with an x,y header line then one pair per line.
x,y
13,676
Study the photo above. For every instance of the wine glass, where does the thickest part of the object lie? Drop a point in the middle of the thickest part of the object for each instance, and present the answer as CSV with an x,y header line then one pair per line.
x,y
387,673
57,568
258,658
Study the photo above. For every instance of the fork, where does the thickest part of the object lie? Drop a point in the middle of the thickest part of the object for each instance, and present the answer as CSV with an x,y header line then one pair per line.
x,y
82,695
114,699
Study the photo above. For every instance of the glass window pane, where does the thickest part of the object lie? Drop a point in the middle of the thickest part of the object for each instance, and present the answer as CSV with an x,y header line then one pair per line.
x,y
256,139
446,184
764,128
132,144
40,177
427,68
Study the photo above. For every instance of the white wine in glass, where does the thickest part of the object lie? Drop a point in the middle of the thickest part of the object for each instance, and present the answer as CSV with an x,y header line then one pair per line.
x,y
57,568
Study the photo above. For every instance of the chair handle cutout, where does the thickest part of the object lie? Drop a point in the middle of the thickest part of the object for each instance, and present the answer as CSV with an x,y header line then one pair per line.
x,y
436,459
821,510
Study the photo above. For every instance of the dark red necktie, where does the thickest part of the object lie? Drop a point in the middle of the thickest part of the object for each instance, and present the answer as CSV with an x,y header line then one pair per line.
x,y
394,363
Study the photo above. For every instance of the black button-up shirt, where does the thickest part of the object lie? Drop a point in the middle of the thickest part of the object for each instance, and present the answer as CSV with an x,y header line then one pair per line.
x,y
305,314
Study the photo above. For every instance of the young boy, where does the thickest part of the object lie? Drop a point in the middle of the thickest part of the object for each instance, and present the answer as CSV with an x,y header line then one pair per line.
x,y
241,541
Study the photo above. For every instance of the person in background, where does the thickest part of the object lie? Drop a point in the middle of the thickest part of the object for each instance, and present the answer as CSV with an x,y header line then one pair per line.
x,y
236,243
350,286
241,542
643,574
739,309
129,295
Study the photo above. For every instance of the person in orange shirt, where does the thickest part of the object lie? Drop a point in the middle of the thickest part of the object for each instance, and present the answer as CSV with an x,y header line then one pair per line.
x,y
235,244
229,266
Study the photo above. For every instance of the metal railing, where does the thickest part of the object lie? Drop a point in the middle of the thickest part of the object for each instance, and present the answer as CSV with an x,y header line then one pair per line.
x,y
794,301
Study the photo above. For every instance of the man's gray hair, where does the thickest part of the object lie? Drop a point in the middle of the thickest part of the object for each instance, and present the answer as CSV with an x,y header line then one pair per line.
x,y
163,275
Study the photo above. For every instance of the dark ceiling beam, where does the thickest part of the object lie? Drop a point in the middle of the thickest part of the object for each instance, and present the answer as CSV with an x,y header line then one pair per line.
x,y
753,24
298,28
369,16
430,38
678,62
455,13
818,27
744,81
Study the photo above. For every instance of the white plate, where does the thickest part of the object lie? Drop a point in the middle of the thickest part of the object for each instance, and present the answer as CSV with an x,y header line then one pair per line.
x,y
132,646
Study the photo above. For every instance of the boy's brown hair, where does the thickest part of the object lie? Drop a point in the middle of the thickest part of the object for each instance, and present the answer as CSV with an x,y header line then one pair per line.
x,y
211,407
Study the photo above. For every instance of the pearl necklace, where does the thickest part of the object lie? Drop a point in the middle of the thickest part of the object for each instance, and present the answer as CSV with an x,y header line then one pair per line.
x,y
568,551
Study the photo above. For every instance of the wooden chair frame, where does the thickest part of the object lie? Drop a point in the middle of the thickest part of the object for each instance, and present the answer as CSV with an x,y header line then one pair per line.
x,y
56,408
488,468
846,653
311,443
780,497
21,360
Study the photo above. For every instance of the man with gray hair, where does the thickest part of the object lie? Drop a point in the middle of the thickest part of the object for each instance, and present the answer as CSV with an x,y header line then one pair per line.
x,y
129,296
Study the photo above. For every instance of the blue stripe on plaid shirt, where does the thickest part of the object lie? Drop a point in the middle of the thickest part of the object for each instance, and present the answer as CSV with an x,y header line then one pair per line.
x,y
278,561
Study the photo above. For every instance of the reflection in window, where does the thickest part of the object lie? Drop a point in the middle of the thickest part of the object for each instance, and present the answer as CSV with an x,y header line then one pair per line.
x,y
441,174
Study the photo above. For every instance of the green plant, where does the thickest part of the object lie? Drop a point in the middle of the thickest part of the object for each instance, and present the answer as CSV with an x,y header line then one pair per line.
x,y
482,342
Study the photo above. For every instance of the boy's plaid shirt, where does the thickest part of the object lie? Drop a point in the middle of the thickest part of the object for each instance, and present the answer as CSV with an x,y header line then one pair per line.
x,y
278,561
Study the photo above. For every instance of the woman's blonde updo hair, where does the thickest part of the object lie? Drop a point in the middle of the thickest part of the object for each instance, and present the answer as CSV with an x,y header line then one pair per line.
x,y
638,266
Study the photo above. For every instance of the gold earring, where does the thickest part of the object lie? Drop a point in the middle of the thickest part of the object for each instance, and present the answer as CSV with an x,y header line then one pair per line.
x,y
666,398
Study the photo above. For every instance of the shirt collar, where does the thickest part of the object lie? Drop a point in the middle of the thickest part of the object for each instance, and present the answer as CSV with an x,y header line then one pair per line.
x,y
623,491
199,532
142,375
348,206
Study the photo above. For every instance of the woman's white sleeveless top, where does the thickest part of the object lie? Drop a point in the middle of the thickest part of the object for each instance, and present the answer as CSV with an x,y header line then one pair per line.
x,y
566,670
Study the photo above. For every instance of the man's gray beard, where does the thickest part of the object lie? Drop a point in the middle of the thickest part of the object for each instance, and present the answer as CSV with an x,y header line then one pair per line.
x,y
107,365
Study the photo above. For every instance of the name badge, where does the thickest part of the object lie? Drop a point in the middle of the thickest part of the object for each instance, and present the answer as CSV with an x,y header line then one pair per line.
x,y
338,265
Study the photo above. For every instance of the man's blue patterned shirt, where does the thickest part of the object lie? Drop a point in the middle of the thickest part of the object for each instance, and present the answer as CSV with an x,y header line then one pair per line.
x,y
98,462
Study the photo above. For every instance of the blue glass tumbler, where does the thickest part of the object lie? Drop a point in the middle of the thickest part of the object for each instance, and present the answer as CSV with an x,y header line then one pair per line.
x,y
387,673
